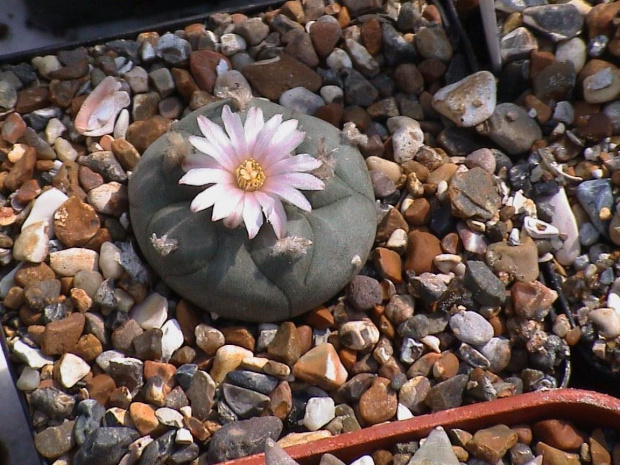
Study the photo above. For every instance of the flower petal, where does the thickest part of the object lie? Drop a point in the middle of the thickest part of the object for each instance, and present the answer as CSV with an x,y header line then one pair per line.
x,y
303,181
254,122
227,204
217,137
288,194
274,211
202,176
265,136
209,196
278,149
252,214
297,163
236,216
199,160
234,128
203,145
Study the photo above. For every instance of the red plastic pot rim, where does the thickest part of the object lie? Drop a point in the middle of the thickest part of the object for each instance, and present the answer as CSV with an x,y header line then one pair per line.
x,y
584,408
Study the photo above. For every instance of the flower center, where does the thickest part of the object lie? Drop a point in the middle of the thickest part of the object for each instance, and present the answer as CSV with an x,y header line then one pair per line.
x,y
250,175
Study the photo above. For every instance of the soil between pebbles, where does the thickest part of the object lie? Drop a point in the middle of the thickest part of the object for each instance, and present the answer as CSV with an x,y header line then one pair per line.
x,y
477,181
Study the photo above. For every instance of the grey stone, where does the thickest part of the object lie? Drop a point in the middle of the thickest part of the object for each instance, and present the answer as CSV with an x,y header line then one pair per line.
x,y
275,455
497,351
382,185
200,394
396,48
162,81
52,402
127,372
364,292
244,402
8,95
185,374
556,82
594,195
54,441
222,269
557,22
486,288
157,452
89,415
106,446
447,394
436,450
172,49
471,328
258,382
184,455
472,357
253,30
357,89
242,438
518,44
512,129
106,164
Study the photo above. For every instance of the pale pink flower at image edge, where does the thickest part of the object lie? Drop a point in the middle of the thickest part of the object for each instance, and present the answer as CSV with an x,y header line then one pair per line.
x,y
250,170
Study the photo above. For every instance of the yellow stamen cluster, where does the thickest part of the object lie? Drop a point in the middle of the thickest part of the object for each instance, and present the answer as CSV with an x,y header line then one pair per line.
x,y
250,175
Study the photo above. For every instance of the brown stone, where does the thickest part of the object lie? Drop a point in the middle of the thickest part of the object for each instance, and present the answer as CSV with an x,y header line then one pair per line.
x,y
320,318
141,134
371,35
286,345
22,170
600,20
164,370
75,222
422,248
293,10
188,317
491,444
473,194
143,417
74,70
446,367
332,113
322,367
28,191
61,336
33,272
280,401
421,171
392,221
103,235
13,128
558,433
388,264
62,92
272,78
418,213
553,456
29,100
533,301
432,70
88,347
197,428
239,336
88,179
300,47
599,449
408,78
67,180
378,403
14,298
125,153
521,261
539,60
184,82
325,36
203,64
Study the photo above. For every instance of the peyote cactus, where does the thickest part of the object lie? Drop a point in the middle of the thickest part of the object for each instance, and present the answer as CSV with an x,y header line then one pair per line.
x,y
278,273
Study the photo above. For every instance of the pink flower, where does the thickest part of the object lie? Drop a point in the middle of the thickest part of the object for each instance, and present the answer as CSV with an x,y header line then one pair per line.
x,y
251,171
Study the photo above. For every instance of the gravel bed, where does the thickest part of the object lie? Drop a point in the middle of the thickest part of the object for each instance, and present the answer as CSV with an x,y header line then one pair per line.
x,y
481,184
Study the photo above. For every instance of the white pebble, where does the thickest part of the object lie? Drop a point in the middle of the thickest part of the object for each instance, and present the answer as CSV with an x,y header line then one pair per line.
x,y
231,44
152,312
54,130
364,460
65,150
44,208
319,412
172,339
32,245
331,94
69,261
397,241
28,380
110,261
104,358
169,417
183,436
32,357
403,413
71,369
122,123
338,60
